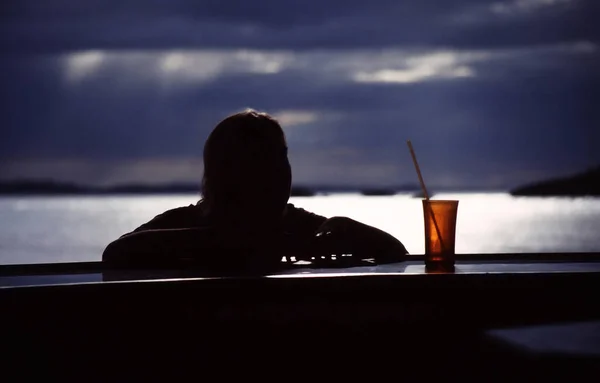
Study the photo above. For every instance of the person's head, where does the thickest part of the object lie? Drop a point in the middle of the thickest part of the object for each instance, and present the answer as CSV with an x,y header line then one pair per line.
x,y
246,168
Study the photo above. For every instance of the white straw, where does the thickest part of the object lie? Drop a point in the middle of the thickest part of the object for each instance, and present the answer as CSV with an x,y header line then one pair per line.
x,y
414,157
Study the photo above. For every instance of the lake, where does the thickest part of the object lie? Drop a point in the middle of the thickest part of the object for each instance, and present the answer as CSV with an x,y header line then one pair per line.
x,y
71,229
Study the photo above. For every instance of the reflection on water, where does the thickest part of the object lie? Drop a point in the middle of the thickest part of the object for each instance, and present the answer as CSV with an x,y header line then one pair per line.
x,y
36,280
68,229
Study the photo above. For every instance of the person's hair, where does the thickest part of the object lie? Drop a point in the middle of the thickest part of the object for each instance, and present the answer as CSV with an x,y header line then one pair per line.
x,y
236,151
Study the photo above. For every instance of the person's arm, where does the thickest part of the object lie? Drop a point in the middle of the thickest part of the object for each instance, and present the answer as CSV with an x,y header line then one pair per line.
x,y
178,218
199,246
346,235
156,246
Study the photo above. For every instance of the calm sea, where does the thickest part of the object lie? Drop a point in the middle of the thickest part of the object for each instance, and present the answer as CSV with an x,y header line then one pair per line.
x,y
69,229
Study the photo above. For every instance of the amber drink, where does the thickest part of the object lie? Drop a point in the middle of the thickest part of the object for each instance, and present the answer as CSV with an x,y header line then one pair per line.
x,y
440,231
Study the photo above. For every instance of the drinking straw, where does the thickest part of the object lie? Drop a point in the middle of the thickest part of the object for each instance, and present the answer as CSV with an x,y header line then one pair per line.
x,y
414,158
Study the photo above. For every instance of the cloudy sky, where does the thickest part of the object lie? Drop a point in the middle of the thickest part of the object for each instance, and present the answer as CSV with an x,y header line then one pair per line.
x,y
492,94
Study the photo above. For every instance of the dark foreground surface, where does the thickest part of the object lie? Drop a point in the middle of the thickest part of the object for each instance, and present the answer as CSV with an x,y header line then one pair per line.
x,y
496,319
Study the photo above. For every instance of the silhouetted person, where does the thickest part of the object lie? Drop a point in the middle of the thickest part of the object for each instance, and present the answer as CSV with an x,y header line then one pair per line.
x,y
244,215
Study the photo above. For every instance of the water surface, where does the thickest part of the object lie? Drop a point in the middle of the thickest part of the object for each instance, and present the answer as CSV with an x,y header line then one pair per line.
x,y
69,229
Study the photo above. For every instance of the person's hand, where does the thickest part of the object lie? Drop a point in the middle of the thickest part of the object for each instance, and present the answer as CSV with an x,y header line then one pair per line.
x,y
341,235
336,225
334,236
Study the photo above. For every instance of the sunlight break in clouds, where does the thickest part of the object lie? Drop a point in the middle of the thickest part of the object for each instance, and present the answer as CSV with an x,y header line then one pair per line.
x,y
181,68
520,6
187,66
193,67
174,67
83,64
289,118
202,65
443,65
261,62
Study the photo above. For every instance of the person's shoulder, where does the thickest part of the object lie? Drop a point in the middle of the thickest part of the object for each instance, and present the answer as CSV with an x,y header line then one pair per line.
x,y
290,209
190,209
297,218
182,211
176,218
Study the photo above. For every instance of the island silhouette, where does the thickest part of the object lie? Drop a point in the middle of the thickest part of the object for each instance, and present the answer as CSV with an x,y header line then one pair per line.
x,y
582,184
586,183
54,187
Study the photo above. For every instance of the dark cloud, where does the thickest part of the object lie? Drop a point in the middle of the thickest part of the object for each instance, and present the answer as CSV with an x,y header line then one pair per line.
x,y
527,110
490,93
71,25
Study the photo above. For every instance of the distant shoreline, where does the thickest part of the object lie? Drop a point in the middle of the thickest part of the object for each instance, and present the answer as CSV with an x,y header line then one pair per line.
x,y
52,188
582,184
57,188
43,187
